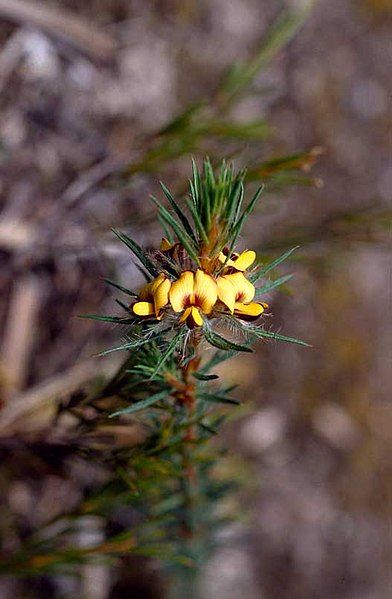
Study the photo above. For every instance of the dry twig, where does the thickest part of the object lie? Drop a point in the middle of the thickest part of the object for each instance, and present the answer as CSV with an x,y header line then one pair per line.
x,y
61,24
20,331
47,395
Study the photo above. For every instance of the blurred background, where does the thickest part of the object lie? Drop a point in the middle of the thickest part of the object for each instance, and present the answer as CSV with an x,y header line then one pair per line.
x,y
99,101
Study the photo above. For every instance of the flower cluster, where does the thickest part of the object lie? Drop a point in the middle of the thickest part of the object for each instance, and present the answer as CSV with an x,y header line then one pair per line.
x,y
195,295
198,286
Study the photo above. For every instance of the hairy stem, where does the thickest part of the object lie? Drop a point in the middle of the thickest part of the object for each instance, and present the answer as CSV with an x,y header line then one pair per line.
x,y
189,480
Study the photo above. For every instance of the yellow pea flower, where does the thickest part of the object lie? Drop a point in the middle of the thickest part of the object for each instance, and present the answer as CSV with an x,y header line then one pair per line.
x,y
193,294
153,297
238,261
237,293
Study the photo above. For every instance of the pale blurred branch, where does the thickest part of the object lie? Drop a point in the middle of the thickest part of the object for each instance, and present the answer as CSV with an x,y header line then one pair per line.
x,y
61,24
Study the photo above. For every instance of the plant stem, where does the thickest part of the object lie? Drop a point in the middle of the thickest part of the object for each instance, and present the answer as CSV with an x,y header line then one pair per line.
x,y
186,583
188,400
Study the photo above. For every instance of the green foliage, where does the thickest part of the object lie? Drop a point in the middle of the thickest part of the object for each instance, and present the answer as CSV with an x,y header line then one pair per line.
x,y
166,384
221,343
242,75
263,270
207,127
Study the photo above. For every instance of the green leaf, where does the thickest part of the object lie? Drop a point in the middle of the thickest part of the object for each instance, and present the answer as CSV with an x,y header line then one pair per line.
x,y
197,220
208,429
281,31
264,270
218,398
241,220
272,284
221,343
182,121
248,210
201,200
182,235
115,319
217,358
130,345
141,405
257,332
205,377
235,200
121,288
178,211
137,250
125,307
171,348
279,260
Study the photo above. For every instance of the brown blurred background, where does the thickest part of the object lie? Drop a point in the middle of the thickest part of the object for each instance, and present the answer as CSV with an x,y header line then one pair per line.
x,y
84,87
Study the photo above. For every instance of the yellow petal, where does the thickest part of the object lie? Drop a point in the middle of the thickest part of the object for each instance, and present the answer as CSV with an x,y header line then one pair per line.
x,y
156,282
252,310
205,290
161,295
227,262
181,291
222,257
195,318
165,245
245,291
145,292
244,260
143,309
226,292
185,314
192,317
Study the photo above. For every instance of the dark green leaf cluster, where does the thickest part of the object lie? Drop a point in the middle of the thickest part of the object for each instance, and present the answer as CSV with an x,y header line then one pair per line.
x,y
214,204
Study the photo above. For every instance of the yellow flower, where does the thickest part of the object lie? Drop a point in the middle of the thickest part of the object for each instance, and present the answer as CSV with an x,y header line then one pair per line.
x,y
154,296
193,294
237,293
238,261
165,245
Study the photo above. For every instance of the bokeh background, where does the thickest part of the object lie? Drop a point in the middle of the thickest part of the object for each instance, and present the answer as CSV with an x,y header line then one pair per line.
x,y
86,91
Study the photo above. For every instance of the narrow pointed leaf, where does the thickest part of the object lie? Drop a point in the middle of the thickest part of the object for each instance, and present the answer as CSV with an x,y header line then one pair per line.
x,y
137,250
208,429
178,211
273,284
222,343
264,270
141,405
171,348
280,32
248,210
125,307
241,220
114,319
205,377
236,200
182,235
121,288
218,398
197,221
271,335
217,358
129,345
